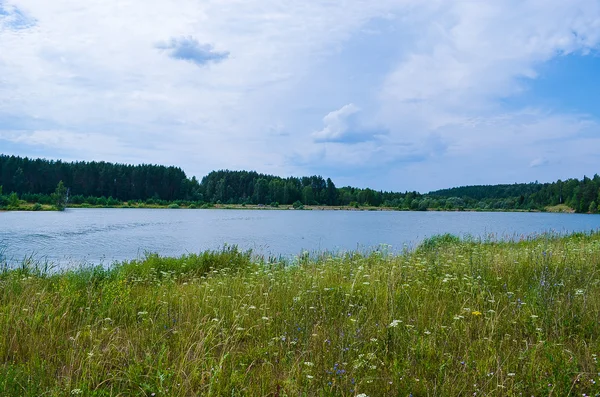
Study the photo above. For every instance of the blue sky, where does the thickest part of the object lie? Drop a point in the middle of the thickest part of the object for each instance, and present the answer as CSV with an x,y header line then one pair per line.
x,y
393,94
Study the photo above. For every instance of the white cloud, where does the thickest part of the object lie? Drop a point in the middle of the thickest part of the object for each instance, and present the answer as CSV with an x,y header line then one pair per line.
x,y
92,72
343,126
337,123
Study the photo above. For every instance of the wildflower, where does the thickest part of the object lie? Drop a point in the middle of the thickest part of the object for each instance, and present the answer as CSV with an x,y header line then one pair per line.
x,y
76,392
309,376
395,323
309,364
511,374
476,313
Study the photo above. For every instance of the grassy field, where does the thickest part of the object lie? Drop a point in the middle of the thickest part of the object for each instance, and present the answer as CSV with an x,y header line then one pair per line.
x,y
451,318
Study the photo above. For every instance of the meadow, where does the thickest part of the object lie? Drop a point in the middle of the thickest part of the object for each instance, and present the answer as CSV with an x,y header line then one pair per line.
x,y
449,318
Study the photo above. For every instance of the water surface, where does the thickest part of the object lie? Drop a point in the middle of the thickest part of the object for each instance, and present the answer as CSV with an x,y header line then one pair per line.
x,y
78,236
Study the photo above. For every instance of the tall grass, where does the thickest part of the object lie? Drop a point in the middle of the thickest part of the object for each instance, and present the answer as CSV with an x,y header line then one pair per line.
x,y
449,318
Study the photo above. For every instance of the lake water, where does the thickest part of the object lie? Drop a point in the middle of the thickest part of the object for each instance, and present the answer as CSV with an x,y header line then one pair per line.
x,y
78,236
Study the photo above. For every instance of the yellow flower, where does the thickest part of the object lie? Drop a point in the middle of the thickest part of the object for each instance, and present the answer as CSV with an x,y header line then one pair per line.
x,y
476,313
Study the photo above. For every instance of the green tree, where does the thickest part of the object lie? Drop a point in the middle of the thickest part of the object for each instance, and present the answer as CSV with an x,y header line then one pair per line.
x,y
332,193
13,200
308,196
593,207
59,197
261,191
423,205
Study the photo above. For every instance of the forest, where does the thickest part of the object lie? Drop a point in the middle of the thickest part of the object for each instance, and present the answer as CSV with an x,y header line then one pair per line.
x,y
106,184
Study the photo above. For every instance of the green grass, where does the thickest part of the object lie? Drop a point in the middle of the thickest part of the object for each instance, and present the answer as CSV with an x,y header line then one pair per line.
x,y
450,318
25,206
560,208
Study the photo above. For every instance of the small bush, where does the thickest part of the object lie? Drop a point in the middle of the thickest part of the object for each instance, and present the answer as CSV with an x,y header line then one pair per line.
x,y
13,200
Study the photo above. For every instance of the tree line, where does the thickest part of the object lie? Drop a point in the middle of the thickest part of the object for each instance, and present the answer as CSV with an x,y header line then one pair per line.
x,y
580,195
96,179
109,184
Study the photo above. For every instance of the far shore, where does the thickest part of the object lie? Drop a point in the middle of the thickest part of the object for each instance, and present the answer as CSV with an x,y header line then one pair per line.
x,y
258,207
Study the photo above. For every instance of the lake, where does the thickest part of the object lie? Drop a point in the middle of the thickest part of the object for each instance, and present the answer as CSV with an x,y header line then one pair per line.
x,y
102,236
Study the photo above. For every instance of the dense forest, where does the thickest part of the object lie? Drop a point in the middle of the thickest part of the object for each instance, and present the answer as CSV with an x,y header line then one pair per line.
x,y
108,184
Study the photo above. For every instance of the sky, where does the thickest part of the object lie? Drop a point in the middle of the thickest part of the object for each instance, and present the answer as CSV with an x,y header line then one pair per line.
x,y
389,94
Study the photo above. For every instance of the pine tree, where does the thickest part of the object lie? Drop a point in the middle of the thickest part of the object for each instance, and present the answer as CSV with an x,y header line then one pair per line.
x,y
59,197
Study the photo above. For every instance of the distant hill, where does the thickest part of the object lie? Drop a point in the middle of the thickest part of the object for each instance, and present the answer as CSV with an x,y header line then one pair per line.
x,y
480,192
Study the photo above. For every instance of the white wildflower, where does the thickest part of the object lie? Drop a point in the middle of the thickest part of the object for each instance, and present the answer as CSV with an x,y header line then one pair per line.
x,y
395,323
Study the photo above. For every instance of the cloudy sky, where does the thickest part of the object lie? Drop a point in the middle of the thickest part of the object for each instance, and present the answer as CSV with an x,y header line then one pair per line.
x,y
391,94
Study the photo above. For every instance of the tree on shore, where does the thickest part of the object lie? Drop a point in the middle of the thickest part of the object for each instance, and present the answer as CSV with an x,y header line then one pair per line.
x,y
59,197
13,200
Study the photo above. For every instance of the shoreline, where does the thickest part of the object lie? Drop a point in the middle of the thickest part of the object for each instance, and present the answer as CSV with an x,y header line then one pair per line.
x,y
255,207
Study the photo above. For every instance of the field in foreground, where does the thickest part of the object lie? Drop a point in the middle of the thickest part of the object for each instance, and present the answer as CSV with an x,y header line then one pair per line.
x,y
450,318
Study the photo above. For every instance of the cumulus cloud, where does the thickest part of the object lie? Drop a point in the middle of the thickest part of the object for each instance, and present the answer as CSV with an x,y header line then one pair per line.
x,y
343,126
189,49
